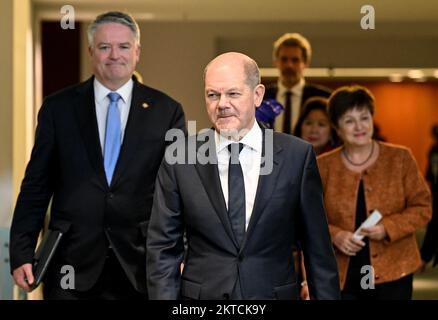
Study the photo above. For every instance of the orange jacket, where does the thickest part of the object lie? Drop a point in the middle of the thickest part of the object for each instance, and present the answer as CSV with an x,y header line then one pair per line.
x,y
394,186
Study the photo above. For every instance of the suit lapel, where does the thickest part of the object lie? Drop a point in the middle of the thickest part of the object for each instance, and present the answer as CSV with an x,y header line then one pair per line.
x,y
86,114
265,187
209,175
307,93
133,131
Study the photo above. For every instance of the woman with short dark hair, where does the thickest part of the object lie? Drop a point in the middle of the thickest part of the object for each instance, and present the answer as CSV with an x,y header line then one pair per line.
x,y
314,126
365,175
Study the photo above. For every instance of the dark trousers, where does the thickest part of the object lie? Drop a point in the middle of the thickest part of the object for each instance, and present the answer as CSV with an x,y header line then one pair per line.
x,y
400,289
113,284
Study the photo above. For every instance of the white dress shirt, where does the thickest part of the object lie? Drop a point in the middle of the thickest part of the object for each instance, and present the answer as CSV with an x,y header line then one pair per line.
x,y
297,94
250,159
102,102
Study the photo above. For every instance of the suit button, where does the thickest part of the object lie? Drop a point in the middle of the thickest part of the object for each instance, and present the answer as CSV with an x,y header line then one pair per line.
x,y
240,258
226,296
110,195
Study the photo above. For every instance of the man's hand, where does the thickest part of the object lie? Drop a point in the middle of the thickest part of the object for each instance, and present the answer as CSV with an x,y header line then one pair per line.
x,y
304,292
345,242
23,276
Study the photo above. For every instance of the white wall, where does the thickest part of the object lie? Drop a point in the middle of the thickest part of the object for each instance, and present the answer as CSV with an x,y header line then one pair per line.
x,y
16,100
5,112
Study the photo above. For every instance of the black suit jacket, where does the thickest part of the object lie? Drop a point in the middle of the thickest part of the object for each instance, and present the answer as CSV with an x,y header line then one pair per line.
x,y
288,207
66,166
309,90
429,248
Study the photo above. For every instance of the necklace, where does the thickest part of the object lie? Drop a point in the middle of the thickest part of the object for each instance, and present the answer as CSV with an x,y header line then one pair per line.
x,y
362,163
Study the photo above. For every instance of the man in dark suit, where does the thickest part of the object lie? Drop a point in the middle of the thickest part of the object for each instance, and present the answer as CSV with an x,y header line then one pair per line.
x,y
291,54
242,204
98,147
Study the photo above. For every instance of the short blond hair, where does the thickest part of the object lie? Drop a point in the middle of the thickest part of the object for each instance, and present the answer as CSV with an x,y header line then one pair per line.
x,y
293,40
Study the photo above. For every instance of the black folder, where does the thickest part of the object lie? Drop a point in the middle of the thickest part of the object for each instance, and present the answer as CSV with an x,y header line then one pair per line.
x,y
44,254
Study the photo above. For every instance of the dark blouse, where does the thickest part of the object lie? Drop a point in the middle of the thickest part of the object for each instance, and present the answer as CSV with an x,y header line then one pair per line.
x,y
363,256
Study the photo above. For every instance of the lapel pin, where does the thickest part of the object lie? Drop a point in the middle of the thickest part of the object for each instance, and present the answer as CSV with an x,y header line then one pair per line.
x,y
145,105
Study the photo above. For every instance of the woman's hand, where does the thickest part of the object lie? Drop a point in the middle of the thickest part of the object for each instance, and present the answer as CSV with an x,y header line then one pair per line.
x,y
347,244
376,232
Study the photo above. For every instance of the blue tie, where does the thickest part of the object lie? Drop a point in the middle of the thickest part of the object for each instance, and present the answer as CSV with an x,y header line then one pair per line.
x,y
113,137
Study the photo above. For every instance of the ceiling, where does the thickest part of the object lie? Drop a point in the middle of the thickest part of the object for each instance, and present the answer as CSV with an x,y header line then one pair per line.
x,y
250,10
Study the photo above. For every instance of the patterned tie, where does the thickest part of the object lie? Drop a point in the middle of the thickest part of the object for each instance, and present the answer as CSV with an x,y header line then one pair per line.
x,y
236,192
287,113
113,137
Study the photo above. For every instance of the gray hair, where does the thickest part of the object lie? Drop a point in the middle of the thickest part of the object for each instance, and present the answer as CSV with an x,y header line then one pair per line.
x,y
252,72
114,17
250,68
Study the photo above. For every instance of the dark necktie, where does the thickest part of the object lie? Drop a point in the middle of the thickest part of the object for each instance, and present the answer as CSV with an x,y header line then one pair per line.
x,y
113,137
236,193
287,113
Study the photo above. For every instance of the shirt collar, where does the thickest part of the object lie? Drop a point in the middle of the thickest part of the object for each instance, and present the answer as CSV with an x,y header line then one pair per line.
x,y
296,89
252,139
101,92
